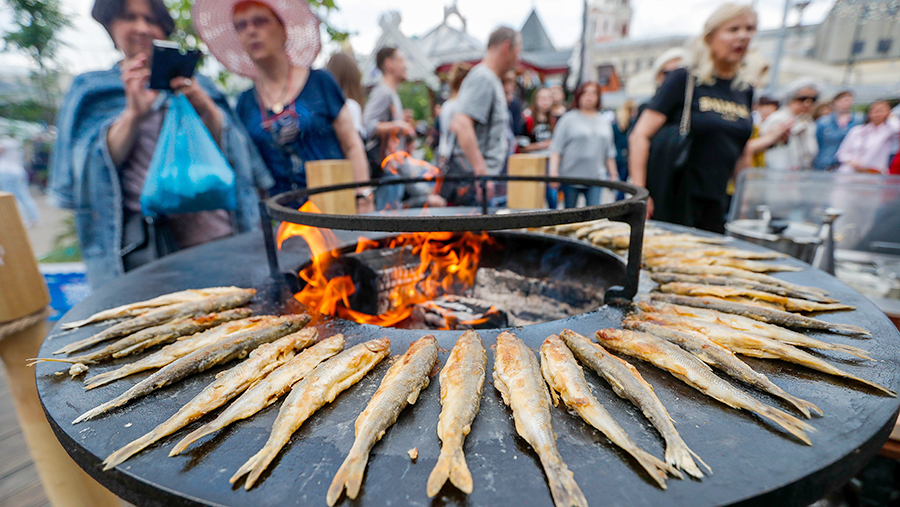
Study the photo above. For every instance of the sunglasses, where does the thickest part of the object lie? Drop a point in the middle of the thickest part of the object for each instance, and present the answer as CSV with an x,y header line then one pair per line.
x,y
255,21
808,98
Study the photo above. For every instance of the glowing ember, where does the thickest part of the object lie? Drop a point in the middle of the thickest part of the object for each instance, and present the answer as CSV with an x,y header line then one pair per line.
x,y
447,265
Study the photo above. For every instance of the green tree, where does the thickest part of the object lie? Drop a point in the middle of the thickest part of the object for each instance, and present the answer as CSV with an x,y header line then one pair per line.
x,y
37,25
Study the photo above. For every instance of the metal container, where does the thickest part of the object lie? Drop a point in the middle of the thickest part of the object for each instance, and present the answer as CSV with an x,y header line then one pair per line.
x,y
797,239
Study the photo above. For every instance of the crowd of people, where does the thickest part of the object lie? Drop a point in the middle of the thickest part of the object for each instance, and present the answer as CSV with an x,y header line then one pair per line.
x,y
684,145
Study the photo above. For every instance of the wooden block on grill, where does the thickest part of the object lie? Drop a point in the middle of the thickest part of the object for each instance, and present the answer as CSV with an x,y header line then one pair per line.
x,y
22,288
526,194
324,173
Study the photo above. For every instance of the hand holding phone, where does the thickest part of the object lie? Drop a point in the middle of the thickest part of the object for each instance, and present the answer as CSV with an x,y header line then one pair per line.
x,y
170,62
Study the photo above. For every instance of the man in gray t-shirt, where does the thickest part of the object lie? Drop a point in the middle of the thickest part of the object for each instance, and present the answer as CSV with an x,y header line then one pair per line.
x,y
383,115
479,124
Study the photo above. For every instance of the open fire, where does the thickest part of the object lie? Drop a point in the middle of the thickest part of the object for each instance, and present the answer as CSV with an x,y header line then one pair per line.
x,y
446,264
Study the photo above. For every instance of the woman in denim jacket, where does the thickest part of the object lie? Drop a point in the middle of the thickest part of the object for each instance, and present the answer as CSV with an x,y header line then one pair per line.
x,y
109,125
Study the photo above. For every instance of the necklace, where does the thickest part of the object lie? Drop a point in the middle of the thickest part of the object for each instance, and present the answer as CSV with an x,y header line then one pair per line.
x,y
278,106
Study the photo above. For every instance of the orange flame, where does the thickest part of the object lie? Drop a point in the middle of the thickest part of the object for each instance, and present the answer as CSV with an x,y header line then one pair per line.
x,y
447,264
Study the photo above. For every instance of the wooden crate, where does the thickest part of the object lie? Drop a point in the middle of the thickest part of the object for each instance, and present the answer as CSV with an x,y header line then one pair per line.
x,y
324,173
20,295
526,194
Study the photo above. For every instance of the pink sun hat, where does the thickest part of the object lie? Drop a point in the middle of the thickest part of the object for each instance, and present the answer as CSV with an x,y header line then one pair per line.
x,y
212,19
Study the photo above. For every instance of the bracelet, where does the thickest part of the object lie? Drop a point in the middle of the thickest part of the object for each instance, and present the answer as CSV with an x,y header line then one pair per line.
x,y
364,193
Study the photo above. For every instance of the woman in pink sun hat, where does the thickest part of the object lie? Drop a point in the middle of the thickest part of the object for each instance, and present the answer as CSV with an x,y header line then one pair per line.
x,y
293,113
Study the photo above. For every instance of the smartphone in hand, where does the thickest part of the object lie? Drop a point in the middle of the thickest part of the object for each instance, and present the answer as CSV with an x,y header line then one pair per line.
x,y
169,62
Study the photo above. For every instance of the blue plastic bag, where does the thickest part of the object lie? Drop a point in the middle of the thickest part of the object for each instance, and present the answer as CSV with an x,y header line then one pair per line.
x,y
188,172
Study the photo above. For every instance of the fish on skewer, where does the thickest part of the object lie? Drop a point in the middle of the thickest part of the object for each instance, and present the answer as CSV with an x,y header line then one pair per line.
x,y
565,377
770,316
236,346
727,292
180,348
751,326
141,307
747,265
716,356
400,387
758,346
226,386
266,391
698,375
158,316
736,273
517,376
663,277
153,336
462,380
733,253
628,383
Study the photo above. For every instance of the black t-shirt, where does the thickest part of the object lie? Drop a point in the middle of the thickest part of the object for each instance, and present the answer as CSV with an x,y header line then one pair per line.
x,y
720,127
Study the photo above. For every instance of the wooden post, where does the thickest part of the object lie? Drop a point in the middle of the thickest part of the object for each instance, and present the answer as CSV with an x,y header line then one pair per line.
x,y
23,293
324,173
526,194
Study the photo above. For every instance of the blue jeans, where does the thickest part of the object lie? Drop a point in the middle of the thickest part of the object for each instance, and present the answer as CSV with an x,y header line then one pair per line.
x,y
570,195
17,185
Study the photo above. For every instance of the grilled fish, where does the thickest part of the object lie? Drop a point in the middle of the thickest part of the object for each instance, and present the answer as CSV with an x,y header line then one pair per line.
x,y
400,387
622,240
565,377
756,266
741,274
517,376
724,292
153,336
235,346
733,253
229,384
663,277
716,356
770,316
629,384
140,307
698,375
758,346
751,326
462,380
212,304
266,391
179,349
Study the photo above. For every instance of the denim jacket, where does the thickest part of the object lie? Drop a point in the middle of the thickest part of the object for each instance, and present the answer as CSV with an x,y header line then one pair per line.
x,y
84,179
830,135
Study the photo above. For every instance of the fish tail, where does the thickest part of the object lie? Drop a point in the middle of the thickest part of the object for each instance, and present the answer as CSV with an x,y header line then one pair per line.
x,y
847,329
885,390
563,488
350,475
247,467
849,349
790,423
679,455
193,436
35,360
102,379
94,412
807,408
655,467
262,460
450,465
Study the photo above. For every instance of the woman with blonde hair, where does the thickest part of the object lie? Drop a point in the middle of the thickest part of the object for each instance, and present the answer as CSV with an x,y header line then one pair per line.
x,y
717,94
345,71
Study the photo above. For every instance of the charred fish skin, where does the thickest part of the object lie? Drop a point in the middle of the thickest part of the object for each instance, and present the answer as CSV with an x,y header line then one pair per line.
x,y
462,381
628,383
756,327
231,383
717,356
752,345
180,348
517,375
155,317
767,315
698,375
236,346
566,381
268,390
400,387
